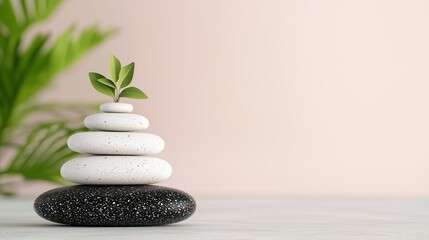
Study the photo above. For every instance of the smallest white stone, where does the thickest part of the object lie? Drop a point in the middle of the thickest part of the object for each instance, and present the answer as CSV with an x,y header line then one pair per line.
x,y
113,107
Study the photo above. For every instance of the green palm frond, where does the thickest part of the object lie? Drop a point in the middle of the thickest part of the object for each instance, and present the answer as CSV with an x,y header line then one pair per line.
x,y
27,69
43,152
32,12
64,52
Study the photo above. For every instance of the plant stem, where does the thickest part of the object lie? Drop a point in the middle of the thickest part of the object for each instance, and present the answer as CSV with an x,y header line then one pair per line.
x,y
117,92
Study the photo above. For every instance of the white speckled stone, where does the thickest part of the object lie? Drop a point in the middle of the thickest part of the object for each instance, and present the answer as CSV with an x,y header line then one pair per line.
x,y
123,122
115,143
113,107
116,170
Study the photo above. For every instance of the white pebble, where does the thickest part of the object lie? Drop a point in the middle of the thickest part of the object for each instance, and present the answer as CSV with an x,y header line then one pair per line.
x,y
115,143
114,107
116,170
123,122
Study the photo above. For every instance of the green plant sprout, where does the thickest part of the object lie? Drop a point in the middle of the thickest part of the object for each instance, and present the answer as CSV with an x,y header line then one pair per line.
x,y
118,87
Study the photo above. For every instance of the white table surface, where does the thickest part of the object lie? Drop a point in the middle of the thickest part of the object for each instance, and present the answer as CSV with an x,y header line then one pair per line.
x,y
308,218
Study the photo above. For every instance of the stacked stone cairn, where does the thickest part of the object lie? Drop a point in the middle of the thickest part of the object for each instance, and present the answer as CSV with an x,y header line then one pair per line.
x,y
115,176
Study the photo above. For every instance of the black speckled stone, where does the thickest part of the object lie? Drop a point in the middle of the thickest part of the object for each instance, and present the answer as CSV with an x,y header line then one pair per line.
x,y
92,205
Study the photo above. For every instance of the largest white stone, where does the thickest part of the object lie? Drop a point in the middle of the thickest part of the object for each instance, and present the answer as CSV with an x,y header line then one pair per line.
x,y
115,143
116,170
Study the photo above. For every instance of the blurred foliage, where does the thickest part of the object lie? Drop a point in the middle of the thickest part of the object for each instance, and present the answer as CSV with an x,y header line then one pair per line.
x,y
36,150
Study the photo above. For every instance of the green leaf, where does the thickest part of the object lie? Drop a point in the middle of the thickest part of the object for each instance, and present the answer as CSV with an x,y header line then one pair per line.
x,y
26,69
109,91
133,92
126,75
25,13
43,152
115,68
30,54
8,16
65,51
107,82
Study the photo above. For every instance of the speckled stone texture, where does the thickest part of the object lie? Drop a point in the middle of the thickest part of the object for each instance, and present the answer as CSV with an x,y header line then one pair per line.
x,y
116,170
115,107
115,143
121,122
89,205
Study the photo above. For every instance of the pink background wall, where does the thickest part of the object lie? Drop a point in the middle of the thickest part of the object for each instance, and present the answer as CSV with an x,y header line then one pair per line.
x,y
273,98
